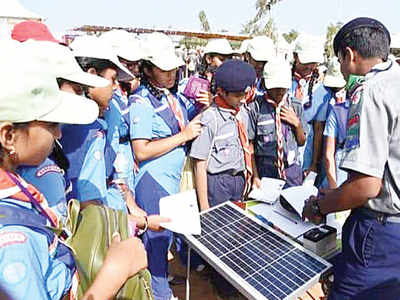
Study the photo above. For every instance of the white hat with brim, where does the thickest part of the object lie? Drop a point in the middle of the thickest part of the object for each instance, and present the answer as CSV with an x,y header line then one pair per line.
x,y
277,74
124,43
93,47
63,63
261,48
35,96
219,46
333,81
160,51
166,61
334,77
309,49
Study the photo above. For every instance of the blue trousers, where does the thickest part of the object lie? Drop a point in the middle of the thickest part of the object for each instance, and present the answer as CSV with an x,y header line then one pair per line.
x,y
148,194
224,187
369,265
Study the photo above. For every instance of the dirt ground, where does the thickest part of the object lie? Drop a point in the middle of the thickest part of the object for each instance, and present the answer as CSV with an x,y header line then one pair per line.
x,y
201,289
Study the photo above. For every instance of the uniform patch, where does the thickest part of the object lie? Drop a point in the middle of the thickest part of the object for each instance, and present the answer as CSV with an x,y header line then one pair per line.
x,y
14,272
12,237
48,169
353,132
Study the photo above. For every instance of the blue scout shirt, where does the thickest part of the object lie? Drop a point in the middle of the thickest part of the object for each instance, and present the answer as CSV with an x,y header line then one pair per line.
x,y
316,110
146,123
27,268
49,179
334,129
84,146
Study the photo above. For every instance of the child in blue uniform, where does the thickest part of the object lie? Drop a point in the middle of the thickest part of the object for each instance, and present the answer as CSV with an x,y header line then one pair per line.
x,y
159,130
49,176
307,87
335,127
275,128
89,151
33,264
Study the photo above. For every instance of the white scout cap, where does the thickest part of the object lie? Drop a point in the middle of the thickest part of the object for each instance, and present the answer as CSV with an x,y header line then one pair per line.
x,y
219,46
277,74
93,47
309,49
30,91
124,44
160,51
243,46
333,76
62,62
261,48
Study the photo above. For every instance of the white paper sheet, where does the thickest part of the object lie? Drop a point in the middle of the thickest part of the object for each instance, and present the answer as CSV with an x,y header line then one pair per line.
x,y
269,191
183,211
297,195
288,222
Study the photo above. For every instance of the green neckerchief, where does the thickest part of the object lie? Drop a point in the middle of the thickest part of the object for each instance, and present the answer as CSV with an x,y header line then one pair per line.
x,y
353,82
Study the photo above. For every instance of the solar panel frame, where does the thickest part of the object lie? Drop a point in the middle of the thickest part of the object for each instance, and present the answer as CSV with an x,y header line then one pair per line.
x,y
234,276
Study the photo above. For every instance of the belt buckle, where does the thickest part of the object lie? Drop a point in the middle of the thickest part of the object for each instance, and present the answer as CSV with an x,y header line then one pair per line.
x,y
381,218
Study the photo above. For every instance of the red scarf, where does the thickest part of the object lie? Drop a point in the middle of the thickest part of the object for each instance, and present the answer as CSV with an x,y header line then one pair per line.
x,y
8,189
244,141
301,84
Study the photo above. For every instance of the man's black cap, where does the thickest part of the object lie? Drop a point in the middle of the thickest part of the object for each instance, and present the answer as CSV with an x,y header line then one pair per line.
x,y
354,24
235,75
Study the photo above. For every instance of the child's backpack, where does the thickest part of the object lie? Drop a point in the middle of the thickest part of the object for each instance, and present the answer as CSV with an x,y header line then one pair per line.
x,y
92,230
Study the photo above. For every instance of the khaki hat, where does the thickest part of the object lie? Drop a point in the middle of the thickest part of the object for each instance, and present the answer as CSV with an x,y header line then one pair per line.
x,y
160,51
309,49
261,48
30,91
333,76
219,46
93,47
62,62
277,74
124,44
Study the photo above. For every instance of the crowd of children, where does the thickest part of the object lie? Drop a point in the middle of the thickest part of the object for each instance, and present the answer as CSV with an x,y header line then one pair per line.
x,y
107,120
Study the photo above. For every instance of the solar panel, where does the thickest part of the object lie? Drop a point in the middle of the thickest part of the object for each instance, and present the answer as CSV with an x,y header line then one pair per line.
x,y
259,261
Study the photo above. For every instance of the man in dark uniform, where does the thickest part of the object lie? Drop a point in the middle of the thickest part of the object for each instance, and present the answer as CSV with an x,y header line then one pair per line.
x,y
369,265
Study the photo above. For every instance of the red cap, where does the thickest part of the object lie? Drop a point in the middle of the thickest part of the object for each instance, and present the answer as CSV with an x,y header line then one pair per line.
x,y
32,30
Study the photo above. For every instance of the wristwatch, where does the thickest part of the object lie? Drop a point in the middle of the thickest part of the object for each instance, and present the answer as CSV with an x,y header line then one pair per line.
x,y
316,210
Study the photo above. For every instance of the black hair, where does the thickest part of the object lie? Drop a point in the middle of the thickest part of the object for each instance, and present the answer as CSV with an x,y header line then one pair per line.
x,y
98,64
59,157
144,80
368,42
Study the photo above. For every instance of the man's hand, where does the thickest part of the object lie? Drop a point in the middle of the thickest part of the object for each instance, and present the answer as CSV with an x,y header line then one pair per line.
x,y
308,212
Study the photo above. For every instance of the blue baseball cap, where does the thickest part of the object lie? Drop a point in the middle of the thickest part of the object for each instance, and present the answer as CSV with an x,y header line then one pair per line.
x,y
355,24
235,75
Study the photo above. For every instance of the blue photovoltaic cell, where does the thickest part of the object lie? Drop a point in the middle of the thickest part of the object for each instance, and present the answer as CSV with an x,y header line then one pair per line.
x,y
270,264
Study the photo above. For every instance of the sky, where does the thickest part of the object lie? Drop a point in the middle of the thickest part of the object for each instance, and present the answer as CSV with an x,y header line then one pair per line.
x,y
310,16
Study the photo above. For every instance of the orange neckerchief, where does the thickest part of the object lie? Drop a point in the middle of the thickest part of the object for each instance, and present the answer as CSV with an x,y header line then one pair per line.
x,y
244,141
8,189
300,90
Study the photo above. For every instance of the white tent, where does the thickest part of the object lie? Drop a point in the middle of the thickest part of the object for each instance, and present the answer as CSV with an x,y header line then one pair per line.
x,y
11,13
12,9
